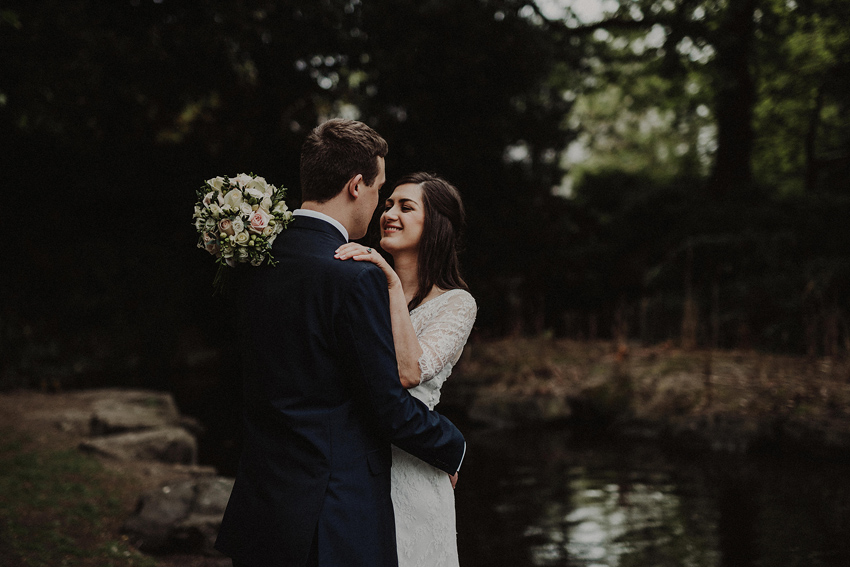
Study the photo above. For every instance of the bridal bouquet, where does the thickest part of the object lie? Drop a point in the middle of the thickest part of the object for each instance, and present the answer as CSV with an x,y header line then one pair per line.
x,y
238,219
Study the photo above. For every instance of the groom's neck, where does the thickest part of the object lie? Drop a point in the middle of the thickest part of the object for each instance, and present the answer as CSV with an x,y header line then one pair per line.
x,y
333,208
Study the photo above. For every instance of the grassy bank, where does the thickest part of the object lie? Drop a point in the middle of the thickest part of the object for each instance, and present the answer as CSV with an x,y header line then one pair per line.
x,y
61,507
658,382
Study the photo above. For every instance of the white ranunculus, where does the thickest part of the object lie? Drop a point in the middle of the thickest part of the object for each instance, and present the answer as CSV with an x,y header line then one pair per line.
x,y
216,183
242,238
245,208
233,198
243,179
238,224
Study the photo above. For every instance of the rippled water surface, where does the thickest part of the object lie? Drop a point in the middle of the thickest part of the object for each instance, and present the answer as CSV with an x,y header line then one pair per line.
x,y
551,498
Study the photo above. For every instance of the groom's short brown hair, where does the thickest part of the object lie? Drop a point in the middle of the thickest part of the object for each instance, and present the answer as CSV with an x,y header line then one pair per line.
x,y
336,151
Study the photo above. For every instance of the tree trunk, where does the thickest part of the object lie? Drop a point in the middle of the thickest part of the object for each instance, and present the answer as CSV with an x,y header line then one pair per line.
x,y
811,138
735,97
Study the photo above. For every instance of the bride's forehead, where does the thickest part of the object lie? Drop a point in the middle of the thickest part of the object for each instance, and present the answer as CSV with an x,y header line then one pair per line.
x,y
408,191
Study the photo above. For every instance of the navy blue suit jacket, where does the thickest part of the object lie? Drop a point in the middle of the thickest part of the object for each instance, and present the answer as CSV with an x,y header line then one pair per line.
x,y
322,404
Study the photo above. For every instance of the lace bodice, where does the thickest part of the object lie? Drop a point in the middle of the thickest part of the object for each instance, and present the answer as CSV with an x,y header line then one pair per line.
x,y
442,326
423,499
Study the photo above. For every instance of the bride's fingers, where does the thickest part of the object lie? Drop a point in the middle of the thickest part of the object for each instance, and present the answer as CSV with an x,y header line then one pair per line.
x,y
369,257
351,250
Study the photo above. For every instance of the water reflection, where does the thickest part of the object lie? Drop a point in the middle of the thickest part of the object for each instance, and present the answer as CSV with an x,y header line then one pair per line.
x,y
552,498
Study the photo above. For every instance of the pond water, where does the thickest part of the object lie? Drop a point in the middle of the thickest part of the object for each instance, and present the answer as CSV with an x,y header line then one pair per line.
x,y
552,497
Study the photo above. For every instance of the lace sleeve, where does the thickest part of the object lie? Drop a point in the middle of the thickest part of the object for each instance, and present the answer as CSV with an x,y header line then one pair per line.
x,y
443,337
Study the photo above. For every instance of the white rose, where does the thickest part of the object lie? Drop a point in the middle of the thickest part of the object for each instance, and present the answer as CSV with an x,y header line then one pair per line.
x,y
243,179
215,210
280,207
266,204
268,231
255,193
238,224
242,238
216,183
245,208
233,198
260,184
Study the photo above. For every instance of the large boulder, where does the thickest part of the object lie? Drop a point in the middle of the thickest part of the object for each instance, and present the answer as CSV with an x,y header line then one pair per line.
x,y
167,445
111,410
182,517
121,411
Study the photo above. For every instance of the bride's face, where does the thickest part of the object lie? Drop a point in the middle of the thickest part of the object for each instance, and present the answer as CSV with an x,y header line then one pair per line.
x,y
403,219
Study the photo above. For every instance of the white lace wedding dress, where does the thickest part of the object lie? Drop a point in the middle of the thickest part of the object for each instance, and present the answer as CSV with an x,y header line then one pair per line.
x,y
422,495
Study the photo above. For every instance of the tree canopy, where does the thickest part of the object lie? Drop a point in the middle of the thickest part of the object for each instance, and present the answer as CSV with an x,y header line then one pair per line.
x,y
678,169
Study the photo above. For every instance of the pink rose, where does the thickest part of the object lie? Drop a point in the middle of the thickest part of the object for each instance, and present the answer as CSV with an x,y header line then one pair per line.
x,y
258,220
211,244
225,226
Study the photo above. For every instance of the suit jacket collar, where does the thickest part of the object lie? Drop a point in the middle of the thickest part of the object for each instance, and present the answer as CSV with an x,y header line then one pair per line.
x,y
318,225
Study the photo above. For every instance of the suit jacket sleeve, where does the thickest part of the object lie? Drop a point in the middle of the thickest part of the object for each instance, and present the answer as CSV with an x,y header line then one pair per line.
x,y
366,330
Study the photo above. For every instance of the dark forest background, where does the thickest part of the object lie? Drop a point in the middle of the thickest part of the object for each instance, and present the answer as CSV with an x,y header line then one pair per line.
x,y
705,144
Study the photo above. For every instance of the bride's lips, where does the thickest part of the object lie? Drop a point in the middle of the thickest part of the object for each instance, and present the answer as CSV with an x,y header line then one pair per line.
x,y
391,228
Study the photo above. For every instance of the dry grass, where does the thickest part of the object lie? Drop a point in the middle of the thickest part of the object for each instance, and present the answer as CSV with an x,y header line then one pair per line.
x,y
664,380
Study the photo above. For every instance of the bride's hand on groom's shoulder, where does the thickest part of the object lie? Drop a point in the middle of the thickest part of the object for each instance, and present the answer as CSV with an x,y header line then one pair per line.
x,y
360,253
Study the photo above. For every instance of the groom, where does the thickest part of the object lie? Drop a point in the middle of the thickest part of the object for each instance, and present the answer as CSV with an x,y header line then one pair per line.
x,y
322,397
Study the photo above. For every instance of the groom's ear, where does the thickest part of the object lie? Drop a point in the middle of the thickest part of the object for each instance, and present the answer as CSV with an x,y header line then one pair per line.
x,y
353,185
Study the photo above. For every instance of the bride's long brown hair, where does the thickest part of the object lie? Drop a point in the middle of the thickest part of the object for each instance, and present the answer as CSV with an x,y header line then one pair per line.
x,y
442,235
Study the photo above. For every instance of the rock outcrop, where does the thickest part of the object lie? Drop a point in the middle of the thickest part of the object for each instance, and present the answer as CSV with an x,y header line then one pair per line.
x,y
182,517
145,429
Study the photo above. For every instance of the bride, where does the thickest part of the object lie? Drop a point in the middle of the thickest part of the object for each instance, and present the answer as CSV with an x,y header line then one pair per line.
x,y
432,315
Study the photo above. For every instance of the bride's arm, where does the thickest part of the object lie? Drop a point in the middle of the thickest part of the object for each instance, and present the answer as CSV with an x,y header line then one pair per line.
x,y
407,348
